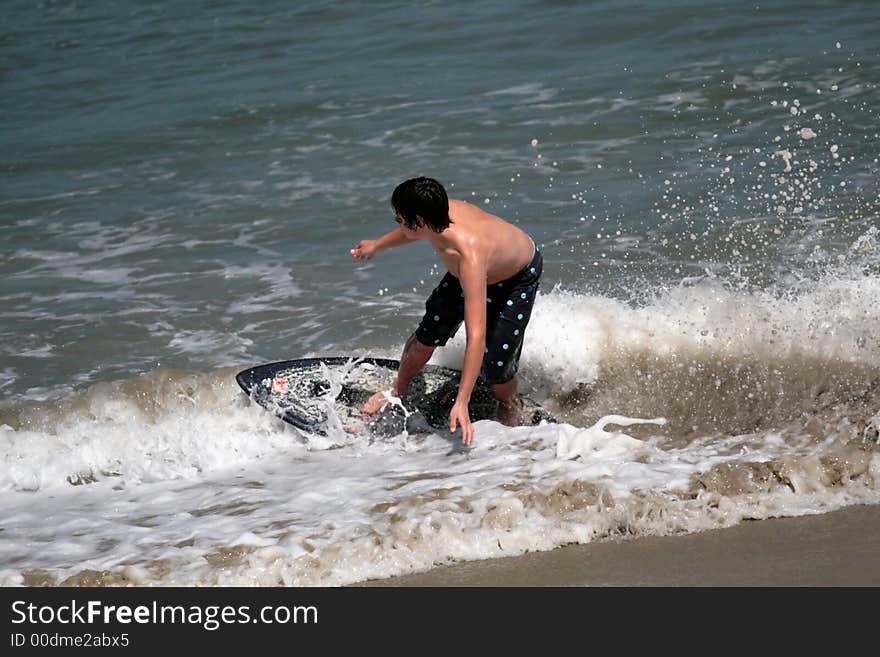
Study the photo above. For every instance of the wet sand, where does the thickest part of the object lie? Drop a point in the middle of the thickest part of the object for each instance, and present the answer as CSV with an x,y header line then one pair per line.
x,y
841,548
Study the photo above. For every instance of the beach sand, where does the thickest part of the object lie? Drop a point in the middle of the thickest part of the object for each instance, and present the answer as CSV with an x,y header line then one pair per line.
x,y
840,548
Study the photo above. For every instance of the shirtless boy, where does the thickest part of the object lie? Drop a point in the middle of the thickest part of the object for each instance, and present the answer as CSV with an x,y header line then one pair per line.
x,y
491,284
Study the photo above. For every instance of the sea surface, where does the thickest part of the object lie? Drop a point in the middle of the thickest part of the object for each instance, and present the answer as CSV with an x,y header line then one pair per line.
x,y
180,185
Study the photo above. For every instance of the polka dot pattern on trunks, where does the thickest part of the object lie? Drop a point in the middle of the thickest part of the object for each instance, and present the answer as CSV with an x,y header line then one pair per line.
x,y
512,301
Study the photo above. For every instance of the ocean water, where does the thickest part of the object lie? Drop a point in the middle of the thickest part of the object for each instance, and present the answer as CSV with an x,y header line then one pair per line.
x,y
181,185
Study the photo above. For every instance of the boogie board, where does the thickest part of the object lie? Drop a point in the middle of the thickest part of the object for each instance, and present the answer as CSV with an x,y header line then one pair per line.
x,y
318,394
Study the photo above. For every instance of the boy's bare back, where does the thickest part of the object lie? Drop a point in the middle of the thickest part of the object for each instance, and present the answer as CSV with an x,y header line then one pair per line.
x,y
476,233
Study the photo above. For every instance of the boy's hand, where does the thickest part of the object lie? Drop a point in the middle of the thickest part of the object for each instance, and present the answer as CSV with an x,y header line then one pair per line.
x,y
365,250
459,415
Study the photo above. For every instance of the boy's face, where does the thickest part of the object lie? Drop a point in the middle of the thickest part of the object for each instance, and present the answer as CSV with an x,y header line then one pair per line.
x,y
411,233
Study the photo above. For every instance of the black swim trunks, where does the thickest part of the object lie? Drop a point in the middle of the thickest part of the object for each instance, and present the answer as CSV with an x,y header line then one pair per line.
x,y
508,309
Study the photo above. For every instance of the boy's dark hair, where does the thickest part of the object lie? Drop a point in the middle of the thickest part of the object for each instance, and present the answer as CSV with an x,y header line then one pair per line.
x,y
424,197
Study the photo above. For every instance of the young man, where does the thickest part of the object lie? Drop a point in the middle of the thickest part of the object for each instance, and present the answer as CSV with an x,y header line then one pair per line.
x,y
491,284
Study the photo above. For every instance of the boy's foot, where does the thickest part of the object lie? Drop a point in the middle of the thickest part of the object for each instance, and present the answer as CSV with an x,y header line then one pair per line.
x,y
509,411
376,403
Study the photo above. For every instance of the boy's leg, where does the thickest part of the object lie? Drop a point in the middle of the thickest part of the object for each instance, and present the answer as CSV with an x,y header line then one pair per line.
x,y
415,356
444,312
509,403
509,312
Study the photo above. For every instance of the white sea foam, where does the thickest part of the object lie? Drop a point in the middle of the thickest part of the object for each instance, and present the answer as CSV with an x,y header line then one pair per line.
x,y
298,517
181,479
597,442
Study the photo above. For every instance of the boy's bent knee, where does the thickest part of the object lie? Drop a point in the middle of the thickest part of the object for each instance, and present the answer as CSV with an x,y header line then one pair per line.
x,y
505,392
415,343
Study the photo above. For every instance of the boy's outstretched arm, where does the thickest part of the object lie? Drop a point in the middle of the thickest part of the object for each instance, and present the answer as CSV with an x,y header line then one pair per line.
x,y
366,249
473,282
